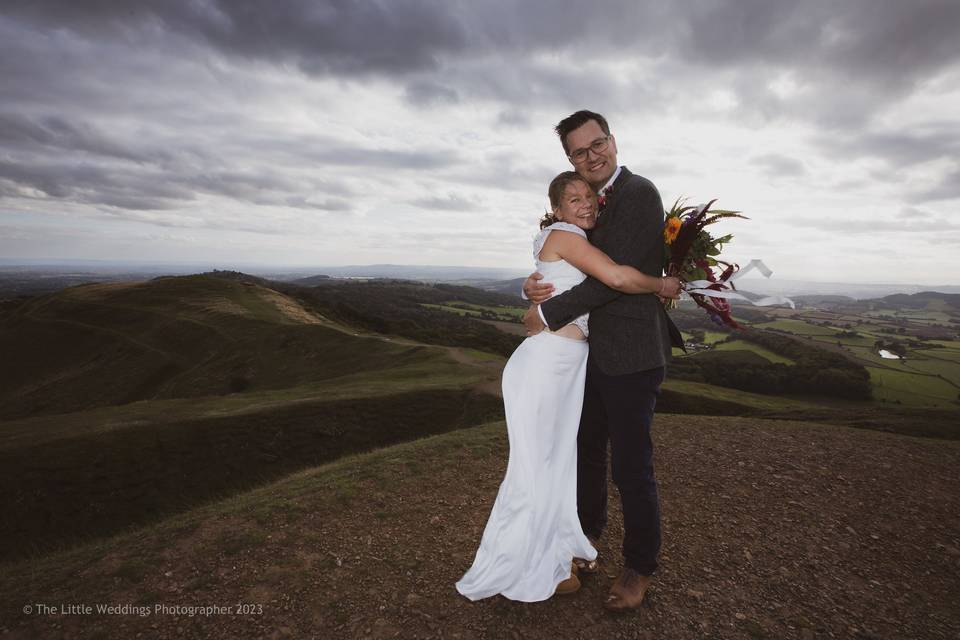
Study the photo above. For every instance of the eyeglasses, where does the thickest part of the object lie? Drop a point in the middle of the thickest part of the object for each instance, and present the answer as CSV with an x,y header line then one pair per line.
x,y
598,146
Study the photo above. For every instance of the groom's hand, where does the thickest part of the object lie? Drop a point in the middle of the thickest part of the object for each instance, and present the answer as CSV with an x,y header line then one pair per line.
x,y
532,321
536,291
672,287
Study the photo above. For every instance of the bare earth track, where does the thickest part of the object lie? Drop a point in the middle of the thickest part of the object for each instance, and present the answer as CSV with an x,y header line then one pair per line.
x,y
772,529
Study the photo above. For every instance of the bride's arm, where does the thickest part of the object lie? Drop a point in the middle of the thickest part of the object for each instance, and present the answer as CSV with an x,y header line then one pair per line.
x,y
576,250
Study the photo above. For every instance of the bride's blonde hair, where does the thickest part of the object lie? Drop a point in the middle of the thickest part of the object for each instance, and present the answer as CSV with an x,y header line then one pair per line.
x,y
555,193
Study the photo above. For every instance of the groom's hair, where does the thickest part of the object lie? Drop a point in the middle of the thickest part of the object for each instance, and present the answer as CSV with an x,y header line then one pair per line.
x,y
577,120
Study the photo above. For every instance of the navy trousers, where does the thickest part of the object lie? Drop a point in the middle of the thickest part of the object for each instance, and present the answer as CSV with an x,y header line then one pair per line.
x,y
619,409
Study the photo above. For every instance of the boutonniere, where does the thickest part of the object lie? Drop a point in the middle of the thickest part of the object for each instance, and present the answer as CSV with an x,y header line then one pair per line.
x,y
605,193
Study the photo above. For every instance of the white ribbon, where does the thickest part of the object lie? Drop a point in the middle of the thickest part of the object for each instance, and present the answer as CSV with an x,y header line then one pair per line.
x,y
702,287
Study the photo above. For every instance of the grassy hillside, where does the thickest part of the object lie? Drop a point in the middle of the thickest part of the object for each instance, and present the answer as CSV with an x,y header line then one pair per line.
x,y
414,310
87,484
219,333
177,337
126,402
771,529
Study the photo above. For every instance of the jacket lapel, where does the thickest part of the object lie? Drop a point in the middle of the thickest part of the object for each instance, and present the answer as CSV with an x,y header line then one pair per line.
x,y
610,208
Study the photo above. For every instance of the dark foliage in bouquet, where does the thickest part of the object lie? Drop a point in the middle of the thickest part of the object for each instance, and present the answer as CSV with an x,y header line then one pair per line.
x,y
690,253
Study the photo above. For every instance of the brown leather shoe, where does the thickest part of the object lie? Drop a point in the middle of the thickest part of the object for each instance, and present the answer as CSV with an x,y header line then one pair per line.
x,y
628,591
570,585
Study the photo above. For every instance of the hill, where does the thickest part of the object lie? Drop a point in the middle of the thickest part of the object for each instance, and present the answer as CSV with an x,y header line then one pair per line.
x,y
923,300
511,287
122,403
772,529
106,344
415,310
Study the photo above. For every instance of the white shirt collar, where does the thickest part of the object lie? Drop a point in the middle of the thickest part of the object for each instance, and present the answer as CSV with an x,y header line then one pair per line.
x,y
613,178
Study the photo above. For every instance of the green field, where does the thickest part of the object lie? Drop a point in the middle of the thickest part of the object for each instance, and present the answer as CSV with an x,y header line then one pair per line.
x,y
798,327
476,311
947,346
739,345
929,377
919,316
910,389
459,312
946,368
516,312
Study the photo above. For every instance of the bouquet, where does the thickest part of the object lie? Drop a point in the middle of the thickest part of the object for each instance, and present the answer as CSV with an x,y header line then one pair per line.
x,y
690,253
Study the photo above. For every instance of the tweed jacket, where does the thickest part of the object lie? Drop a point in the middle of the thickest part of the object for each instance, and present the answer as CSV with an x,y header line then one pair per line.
x,y
628,332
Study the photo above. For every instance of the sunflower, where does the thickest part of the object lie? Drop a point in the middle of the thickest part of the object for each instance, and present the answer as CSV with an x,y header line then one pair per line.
x,y
671,229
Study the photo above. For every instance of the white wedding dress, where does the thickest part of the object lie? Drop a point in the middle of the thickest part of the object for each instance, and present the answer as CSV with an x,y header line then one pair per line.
x,y
533,532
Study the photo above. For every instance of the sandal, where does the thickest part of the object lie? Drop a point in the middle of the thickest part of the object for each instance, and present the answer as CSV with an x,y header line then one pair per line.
x,y
587,566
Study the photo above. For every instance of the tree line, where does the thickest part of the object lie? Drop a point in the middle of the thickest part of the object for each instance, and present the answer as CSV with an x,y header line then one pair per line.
x,y
816,371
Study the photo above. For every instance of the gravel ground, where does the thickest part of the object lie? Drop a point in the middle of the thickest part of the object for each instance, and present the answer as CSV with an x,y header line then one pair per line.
x,y
771,529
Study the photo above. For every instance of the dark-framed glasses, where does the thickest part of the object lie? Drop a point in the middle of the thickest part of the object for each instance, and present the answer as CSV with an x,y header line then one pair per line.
x,y
598,146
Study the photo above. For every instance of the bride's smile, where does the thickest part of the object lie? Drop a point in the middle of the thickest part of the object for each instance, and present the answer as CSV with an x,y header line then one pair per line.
x,y
578,205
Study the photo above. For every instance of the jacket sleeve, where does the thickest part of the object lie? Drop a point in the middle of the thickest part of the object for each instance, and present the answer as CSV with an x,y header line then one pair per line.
x,y
635,233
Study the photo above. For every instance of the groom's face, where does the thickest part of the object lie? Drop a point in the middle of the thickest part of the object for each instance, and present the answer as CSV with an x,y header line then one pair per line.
x,y
596,167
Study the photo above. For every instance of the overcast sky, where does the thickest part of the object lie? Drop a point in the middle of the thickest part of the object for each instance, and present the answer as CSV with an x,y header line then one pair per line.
x,y
355,132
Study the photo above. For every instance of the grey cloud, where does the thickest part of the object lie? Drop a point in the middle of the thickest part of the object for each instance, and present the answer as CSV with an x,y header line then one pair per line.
x,y
143,188
886,45
349,156
490,240
851,60
947,188
451,202
90,184
338,36
946,239
98,60
777,165
877,39
914,213
180,221
304,151
503,171
875,225
424,93
58,134
899,150
514,118
923,143
330,204
246,186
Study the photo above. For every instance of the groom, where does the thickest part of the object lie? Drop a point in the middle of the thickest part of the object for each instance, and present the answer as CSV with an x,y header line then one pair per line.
x,y
630,340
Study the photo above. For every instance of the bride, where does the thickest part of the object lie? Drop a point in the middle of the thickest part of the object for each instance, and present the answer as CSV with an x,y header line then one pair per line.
x,y
533,533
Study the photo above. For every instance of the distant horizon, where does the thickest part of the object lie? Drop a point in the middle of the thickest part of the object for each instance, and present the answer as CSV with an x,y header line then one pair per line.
x,y
505,273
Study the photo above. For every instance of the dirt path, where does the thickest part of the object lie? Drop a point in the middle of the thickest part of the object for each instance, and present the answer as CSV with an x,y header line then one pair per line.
x,y
492,366
772,529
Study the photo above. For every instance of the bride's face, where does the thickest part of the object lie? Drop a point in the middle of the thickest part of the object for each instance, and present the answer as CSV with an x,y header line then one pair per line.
x,y
578,205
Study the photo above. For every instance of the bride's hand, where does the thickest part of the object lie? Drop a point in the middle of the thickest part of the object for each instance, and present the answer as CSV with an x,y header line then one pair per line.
x,y
532,321
536,291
